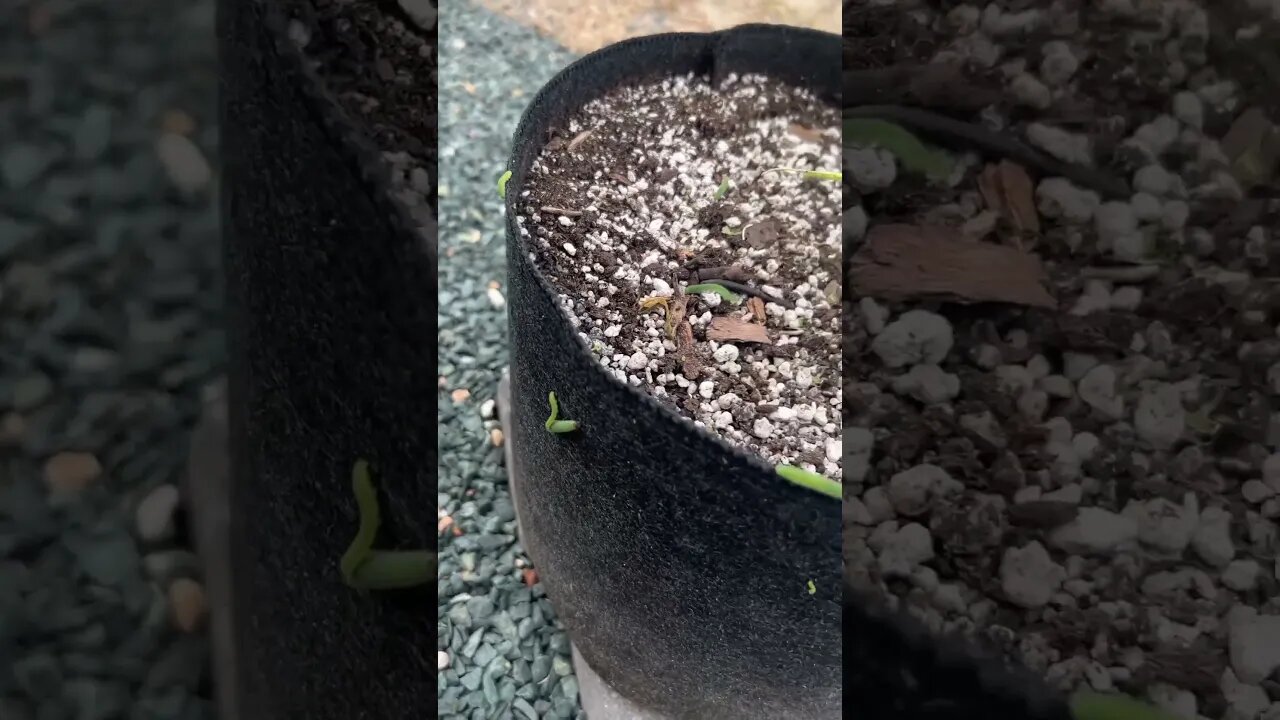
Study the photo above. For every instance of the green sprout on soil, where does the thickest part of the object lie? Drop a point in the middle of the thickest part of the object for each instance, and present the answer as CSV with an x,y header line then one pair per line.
x,y
725,293
364,568
558,426
914,155
808,174
810,480
812,587
502,184
723,189
1087,705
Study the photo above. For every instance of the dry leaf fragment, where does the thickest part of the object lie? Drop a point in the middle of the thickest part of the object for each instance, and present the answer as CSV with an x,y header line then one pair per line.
x,y
729,329
805,133
578,140
989,188
756,306
901,262
653,301
1018,195
1007,189
675,314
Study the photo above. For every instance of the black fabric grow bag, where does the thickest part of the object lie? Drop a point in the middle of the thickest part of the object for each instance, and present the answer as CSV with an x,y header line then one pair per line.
x,y
331,313
677,563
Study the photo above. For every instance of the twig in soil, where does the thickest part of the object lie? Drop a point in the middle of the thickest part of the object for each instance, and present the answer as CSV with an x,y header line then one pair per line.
x,y
990,142
1132,273
717,288
502,184
723,189
560,211
553,424
747,290
810,480
364,568
808,174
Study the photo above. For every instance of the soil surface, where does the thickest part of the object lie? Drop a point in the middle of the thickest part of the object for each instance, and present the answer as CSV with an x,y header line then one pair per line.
x,y
1084,475
654,189
378,60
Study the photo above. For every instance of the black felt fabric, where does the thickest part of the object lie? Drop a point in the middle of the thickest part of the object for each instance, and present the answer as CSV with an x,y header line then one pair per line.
x,y
332,323
678,564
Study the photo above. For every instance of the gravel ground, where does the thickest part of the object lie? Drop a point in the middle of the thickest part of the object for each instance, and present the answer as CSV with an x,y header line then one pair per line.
x,y
1087,477
501,652
109,308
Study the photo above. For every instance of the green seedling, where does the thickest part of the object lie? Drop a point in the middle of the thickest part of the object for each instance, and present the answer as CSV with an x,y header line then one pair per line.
x,y
914,155
502,184
808,174
731,232
1086,705
724,292
810,480
553,424
723,189
812,587
364,568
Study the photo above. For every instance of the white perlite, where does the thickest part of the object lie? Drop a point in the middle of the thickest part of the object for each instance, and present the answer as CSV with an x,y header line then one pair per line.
x,y
1029,577
1254,643
1095,531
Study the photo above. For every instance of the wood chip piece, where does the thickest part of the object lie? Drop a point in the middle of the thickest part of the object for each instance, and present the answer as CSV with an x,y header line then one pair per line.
x,y
902,262
756,306
730,329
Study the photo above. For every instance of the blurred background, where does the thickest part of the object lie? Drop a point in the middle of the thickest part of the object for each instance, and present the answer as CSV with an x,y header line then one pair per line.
x,y
110,307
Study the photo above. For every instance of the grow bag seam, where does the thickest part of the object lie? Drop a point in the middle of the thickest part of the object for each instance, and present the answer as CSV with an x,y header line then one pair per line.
x,y
350,136
712,43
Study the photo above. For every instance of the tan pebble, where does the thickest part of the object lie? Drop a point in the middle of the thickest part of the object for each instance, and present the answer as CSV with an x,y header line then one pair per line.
x,y
495,436
68,473
187,604
13,427
460,395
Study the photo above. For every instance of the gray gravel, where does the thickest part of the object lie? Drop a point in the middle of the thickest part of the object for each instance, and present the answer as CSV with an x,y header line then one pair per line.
x,y
109,304
502,653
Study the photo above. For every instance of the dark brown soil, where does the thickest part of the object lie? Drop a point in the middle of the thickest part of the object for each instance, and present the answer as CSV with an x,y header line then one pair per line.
x,y
615,153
